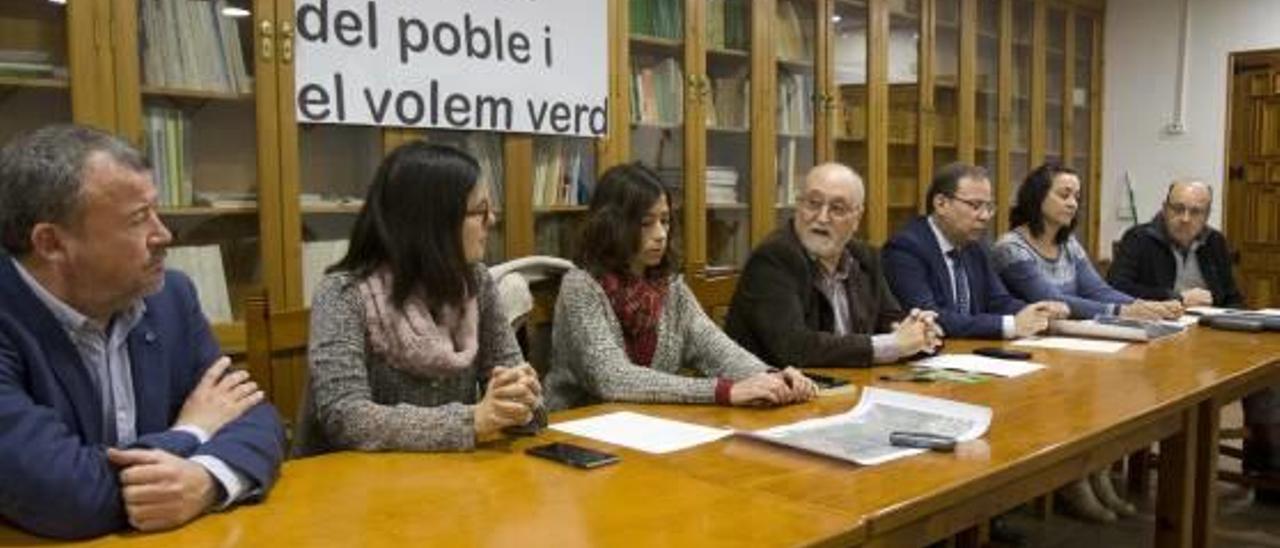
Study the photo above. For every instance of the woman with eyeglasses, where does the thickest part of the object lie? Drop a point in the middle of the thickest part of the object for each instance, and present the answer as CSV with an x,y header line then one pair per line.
x,y
1040,259
409,348
626,323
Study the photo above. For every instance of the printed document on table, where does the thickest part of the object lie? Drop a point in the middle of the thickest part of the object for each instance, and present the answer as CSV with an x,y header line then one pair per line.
x,y
642,432
979,364
861,435
1072,343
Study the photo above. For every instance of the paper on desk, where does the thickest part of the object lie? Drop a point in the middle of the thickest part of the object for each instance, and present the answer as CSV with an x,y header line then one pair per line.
x,y
980,364
1072,343
861,434
642,432
1208,310
1186,320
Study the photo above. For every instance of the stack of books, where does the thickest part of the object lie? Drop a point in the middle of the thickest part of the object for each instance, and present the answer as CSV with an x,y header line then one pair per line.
x,y
722,185
21,63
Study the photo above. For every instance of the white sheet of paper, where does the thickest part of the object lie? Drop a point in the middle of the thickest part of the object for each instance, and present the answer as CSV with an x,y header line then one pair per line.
x,y
642,432
980,364
1072,343
1186,320
1207,310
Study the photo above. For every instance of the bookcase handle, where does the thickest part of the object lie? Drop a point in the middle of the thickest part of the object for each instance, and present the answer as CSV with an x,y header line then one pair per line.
x,y
268,34
286,42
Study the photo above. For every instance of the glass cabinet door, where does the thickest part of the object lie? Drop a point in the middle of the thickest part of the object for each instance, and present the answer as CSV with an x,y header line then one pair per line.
x,y
657,52
564,179
904,112
1082,98
35,82
796,50
987,88
946,79
1055,76
849,25
726,110
1020,117
199,125
336,165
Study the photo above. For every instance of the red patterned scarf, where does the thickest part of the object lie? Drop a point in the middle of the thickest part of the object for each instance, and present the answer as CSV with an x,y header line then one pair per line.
x,y
637,302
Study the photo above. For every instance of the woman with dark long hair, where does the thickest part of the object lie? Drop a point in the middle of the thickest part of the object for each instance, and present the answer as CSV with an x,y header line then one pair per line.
x,y
625,322
409,348
1040,259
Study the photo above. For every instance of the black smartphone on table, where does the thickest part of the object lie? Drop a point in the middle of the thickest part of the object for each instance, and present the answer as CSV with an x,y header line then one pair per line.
x,y
824,382
1002,353
572,455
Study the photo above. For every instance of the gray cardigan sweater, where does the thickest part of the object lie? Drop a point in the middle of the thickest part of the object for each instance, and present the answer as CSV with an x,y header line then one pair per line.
x,y
589,357
357,401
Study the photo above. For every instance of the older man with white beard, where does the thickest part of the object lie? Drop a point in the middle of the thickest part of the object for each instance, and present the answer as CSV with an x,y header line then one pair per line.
x,y
812,296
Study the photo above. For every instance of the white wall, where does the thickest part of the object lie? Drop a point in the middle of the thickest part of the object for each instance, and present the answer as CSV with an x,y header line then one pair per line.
x,y
1140,59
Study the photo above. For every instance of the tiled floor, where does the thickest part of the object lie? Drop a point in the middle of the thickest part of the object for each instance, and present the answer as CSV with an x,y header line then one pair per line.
x,y
1241,523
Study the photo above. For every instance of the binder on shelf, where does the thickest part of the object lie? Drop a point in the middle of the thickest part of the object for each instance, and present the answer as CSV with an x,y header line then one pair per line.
x,y
203,264
191,45
316,257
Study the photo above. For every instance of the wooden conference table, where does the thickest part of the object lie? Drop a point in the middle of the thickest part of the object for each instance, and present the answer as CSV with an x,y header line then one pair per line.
x,y
1082,413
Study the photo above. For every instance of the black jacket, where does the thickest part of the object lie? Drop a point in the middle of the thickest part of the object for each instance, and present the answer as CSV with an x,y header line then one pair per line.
x,y
1145,267
778,313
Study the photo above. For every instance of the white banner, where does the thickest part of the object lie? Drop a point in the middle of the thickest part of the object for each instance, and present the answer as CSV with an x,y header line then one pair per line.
x,y
531,66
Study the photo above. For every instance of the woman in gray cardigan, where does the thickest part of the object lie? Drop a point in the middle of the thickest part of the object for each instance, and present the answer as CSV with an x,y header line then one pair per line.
x,y
409,349
625,324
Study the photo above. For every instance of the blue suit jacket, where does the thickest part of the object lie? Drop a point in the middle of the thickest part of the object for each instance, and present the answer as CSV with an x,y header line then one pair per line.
x,y
56,477
917,274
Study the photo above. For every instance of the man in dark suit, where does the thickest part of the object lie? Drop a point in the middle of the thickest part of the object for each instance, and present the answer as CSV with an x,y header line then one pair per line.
x,y
115,408
938,263
812,296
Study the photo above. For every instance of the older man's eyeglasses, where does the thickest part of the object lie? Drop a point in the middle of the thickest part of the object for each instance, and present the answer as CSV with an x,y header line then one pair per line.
x,y
838,210
1178,210
977,205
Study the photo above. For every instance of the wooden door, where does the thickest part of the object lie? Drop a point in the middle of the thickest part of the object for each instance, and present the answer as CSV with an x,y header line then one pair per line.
x,y
1253,174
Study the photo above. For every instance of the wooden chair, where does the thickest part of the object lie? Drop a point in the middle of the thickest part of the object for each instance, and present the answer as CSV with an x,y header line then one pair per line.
x,y
276,350
714,294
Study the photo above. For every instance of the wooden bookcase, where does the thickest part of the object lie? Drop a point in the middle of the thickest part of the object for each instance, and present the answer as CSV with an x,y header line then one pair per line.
x,y
733,100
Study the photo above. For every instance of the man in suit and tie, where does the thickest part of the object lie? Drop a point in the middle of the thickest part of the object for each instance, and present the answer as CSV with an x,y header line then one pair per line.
x,y
937,262
116,408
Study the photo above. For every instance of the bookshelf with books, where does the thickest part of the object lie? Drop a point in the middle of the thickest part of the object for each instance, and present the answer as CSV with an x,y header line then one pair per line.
x,y
726,105
47,74
986,96
905,99
1081,146
849,31
796,30
185,92
1055,75
564,179
1023,21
